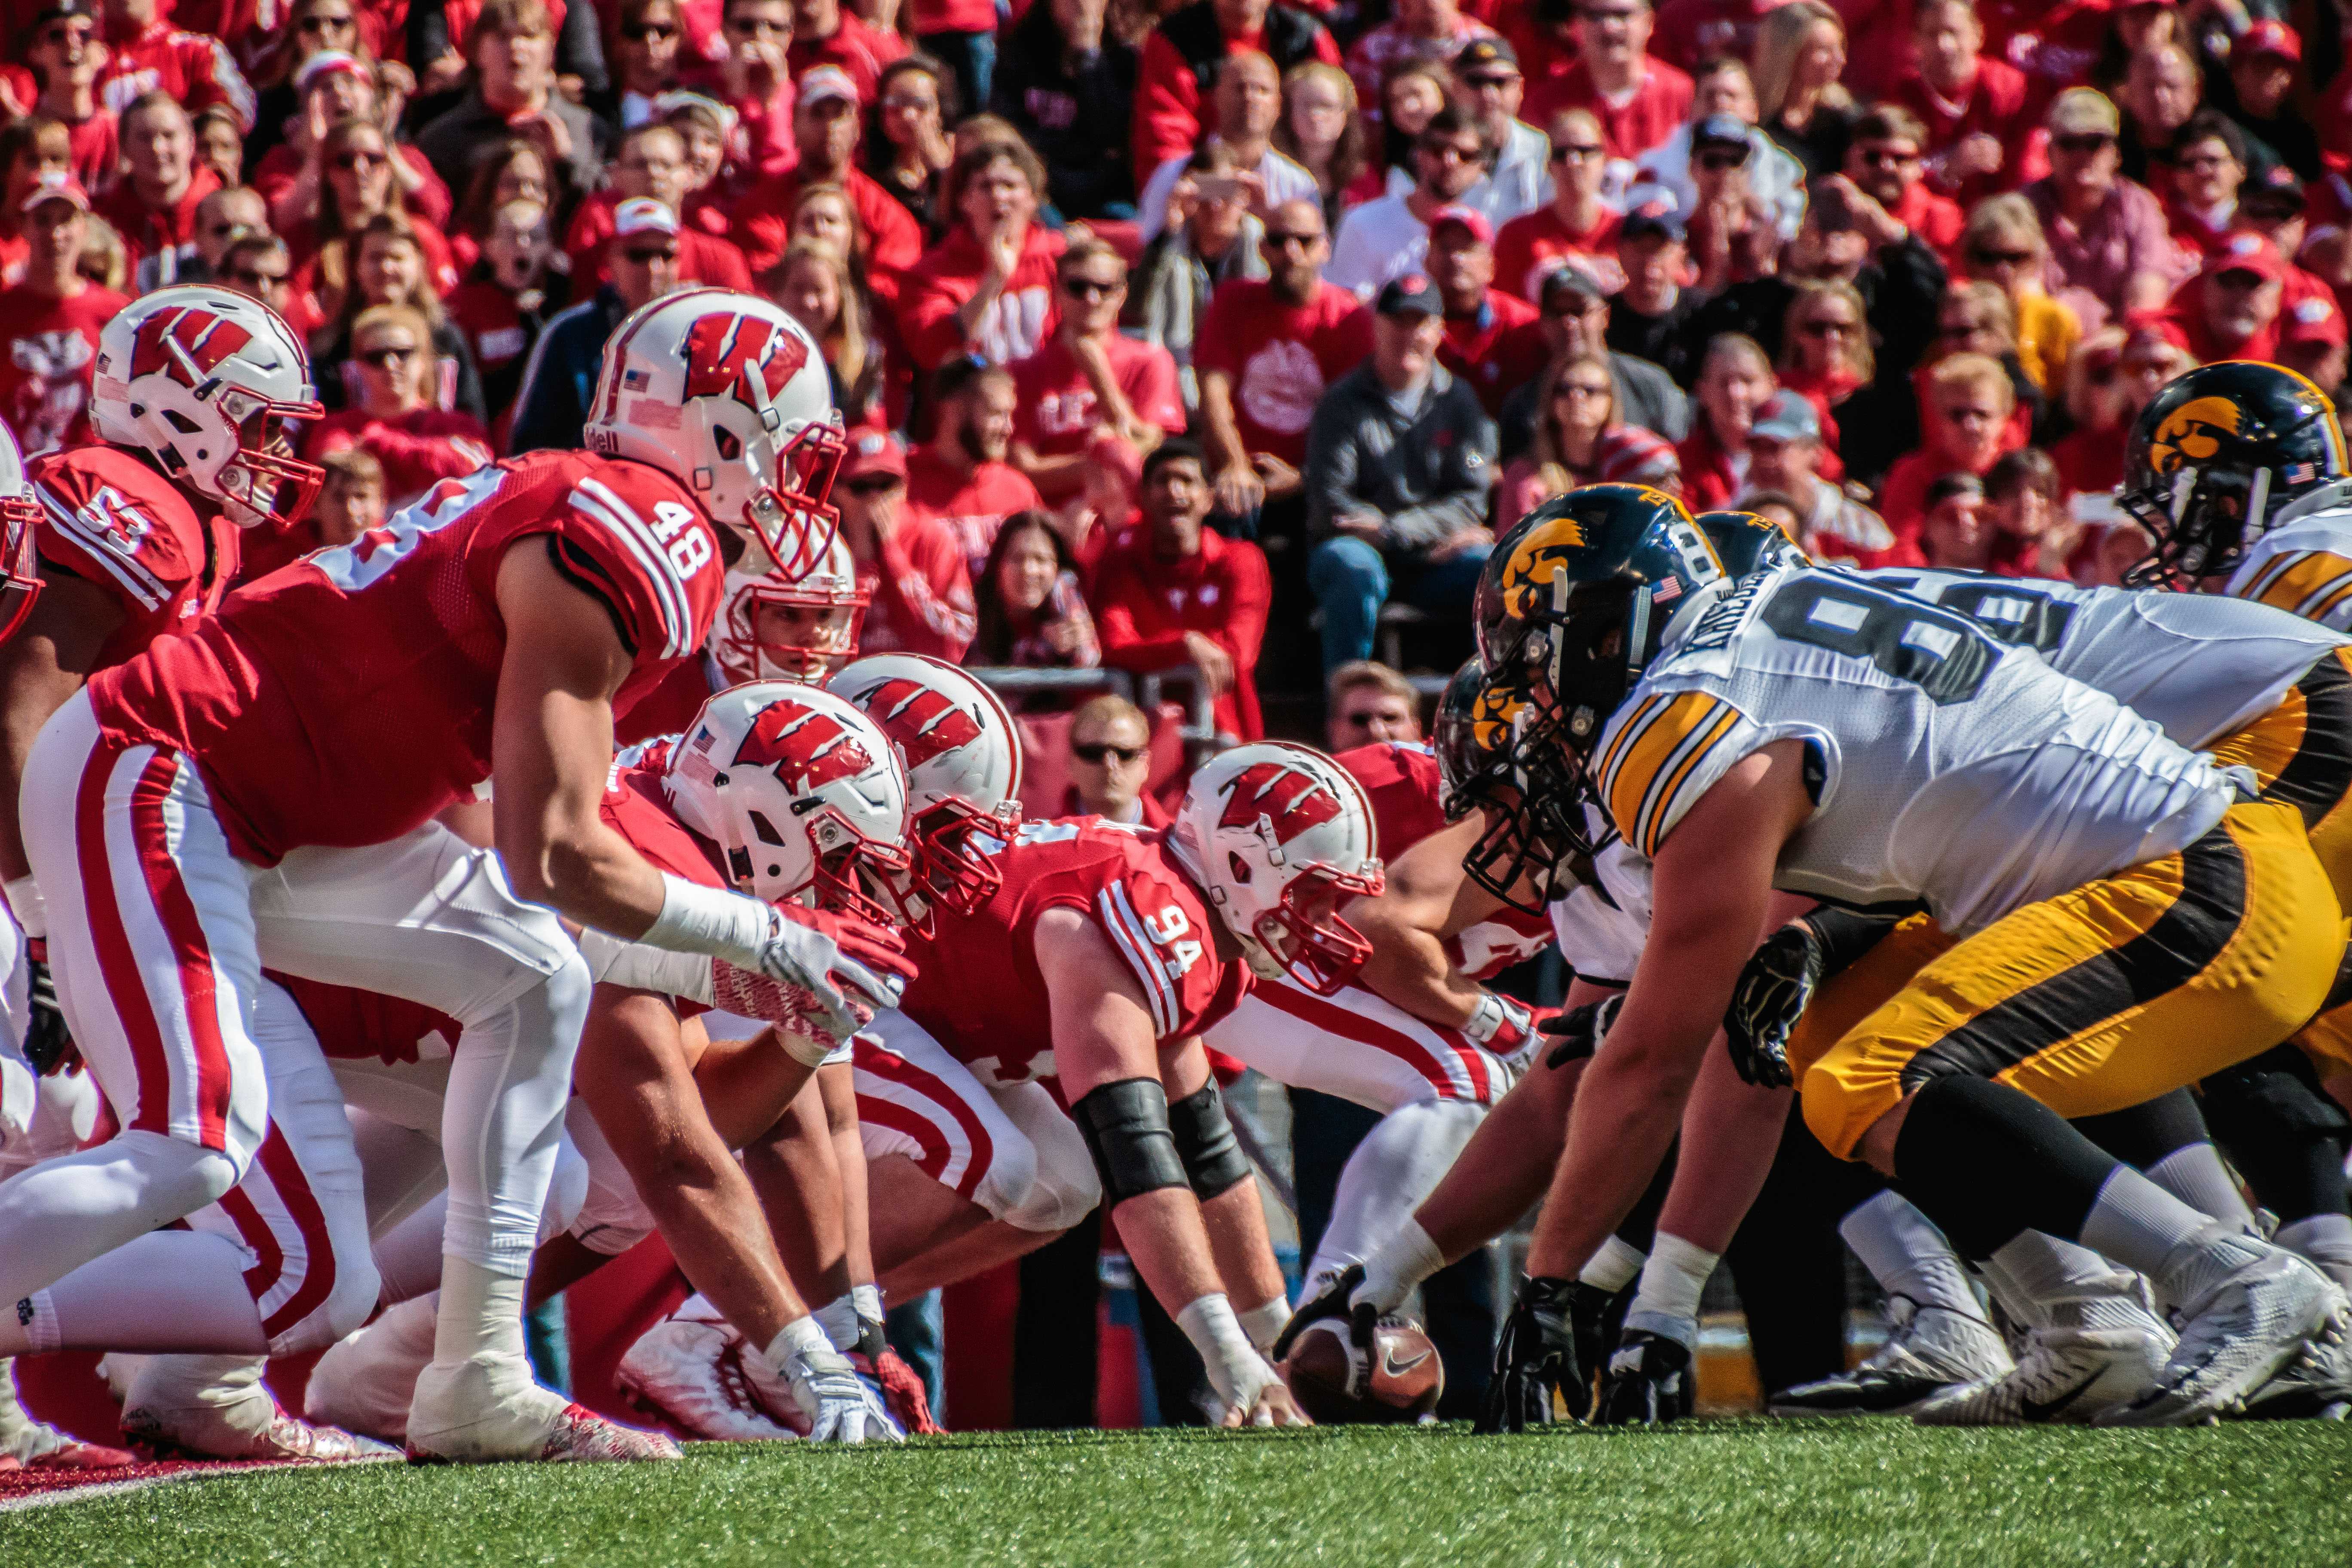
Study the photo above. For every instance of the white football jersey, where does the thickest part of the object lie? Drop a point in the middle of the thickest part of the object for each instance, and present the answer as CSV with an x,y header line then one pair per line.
x,y
2198,664
2303,562
1602,928
1952,769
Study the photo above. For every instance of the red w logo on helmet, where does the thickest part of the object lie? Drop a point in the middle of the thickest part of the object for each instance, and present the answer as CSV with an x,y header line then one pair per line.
x,y
1286,795
922,722
721,351
184,341
807,749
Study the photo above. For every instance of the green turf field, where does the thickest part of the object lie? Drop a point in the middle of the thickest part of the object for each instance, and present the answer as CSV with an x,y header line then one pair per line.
x,y
1740,1492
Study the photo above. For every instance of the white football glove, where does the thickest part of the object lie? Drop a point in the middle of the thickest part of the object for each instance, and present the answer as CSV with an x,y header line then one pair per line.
x,y
821,972
839,1406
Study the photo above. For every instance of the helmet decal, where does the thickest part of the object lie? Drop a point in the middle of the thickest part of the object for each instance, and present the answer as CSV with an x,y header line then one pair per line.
x,y
2193,432
921,723
1542,555
806,748
1286,795
1493,717
192,341
720,350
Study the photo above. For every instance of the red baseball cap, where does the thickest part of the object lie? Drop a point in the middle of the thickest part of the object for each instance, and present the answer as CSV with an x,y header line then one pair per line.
x,y
54,185
1470,218
2248,252
873,452
2269,37
2314,319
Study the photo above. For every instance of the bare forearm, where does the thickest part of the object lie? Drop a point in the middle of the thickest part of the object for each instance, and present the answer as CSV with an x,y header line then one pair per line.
x,y
1409,968
1163,1233
710,1218
1217,409
1624,1118
1731,1133
1235,1221
838,1085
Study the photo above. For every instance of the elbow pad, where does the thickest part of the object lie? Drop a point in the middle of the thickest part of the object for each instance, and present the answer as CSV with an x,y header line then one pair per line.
x,y
1126,1127
1213,1157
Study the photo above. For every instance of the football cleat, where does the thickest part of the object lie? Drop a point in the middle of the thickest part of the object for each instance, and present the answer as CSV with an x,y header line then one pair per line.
x,y
2093,1356
488,1409
1928,1350
1648,1381
2314,1386
2237,1337
216,1407
1588,1314
690,1374
366,1380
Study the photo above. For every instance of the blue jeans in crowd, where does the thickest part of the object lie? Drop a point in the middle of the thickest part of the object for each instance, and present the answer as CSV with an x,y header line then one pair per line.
x,y
970,58
1350,581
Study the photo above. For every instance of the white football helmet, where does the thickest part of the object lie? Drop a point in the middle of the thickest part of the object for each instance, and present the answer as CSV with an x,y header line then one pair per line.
x,y
802,795
962,758
20,515
1277,834
729,396
208,382
775,627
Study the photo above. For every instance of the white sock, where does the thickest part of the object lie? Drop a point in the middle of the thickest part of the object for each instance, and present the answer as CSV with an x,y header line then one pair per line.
x,y
480,1316
2183,1252
2194,1174
169,1290
1907,1254
1388,1175
2325,1239
64,1212
1672,1282
1396,1269
1614,1266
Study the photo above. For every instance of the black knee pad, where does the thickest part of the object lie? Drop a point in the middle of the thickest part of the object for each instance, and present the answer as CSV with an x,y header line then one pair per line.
x,y
1126,1127
2278,1091
1213,1157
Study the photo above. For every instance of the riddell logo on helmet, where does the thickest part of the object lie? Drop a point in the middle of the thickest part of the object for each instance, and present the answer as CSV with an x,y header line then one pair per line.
x,y
920,722
721,350
1286,795
2192,434
807,749
203,339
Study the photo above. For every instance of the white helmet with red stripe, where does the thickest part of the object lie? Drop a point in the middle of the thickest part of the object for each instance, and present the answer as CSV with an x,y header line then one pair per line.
x,y
208,383
728,394
1277,834
775,627
20,516
802,795
962,758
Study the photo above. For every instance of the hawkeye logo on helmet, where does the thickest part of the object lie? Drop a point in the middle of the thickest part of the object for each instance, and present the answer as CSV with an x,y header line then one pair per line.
x,y
921,722
2192,434
721,352
806,749
1493,717
1289,798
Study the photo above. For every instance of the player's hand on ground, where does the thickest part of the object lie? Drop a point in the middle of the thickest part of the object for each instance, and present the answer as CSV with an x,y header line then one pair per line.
x,y
48,1045
1579,1031
1771,994
839,1406
1271,1405
1535,1356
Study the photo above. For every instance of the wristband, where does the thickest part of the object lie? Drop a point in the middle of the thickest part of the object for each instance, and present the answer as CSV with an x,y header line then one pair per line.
x,y
1263,1324
804,1337
1487,1018
26,903
709,919
612,962
1235,1368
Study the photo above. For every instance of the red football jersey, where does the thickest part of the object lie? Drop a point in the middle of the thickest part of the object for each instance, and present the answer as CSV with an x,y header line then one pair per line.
x,y
348,698
353,1025
635,807
1404,787
979,992
115,523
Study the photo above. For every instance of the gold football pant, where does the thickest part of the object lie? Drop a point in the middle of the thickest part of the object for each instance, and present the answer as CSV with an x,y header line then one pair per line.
x,y
2101,998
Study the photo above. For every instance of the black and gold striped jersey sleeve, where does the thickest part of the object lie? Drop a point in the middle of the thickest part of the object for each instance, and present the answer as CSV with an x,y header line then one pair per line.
x,y
1661,755
2314,583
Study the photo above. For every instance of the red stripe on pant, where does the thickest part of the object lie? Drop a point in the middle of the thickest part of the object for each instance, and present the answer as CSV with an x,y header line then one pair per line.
x,y
301,1205
936,1149
897,1069
126,988
1331,1019
269,1259
192,950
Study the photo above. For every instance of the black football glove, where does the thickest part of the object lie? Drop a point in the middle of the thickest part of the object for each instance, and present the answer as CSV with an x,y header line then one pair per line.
x,y
1581,1030
1331,1304
1770,996
49,1044
1593,1314
1648,1381
1536,1356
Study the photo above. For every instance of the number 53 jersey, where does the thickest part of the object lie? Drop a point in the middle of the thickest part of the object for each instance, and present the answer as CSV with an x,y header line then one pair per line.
x,y
979,991
1945,767
347,698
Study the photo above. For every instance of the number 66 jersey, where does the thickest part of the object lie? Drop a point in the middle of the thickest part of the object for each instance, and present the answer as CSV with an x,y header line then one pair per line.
x,y
1945,767
346,698
979,992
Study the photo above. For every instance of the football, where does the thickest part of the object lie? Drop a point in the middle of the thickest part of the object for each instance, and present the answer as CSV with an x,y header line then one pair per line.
x,y
1407,1376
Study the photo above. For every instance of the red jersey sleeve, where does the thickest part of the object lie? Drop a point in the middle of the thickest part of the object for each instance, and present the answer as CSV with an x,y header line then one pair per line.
x,y
1158,396
927,588
1401,783
630,536
109,519
1159,926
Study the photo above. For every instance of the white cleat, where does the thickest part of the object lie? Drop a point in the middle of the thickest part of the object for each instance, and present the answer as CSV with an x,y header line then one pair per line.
x,y
2237,1337
366,1380
488,1409
214,1407
2093,1356
1928,1352
690,1374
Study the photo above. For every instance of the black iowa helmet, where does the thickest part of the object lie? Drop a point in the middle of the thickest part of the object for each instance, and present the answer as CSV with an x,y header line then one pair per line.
x,y
1533,829
1746,543
1471,737
1576,598
2216,454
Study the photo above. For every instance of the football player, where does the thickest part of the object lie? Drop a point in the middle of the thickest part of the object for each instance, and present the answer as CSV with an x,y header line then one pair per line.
x,y
1716,724
228,799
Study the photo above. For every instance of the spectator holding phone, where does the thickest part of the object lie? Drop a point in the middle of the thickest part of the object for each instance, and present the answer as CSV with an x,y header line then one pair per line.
x,y
1248,100
1032,613
1210,240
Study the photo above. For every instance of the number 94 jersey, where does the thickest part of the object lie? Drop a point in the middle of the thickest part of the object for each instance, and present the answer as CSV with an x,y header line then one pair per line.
x,y
979,991
1947,768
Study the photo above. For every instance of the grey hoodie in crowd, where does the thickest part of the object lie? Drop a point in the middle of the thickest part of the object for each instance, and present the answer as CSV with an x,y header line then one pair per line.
x,y
1427,474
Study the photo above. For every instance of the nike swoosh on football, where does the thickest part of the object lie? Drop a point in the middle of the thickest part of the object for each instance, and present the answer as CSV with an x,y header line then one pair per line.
x,y
2049,1407
1395,1368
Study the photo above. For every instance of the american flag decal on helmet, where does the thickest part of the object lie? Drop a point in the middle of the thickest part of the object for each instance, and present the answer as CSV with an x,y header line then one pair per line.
x,y
2301,473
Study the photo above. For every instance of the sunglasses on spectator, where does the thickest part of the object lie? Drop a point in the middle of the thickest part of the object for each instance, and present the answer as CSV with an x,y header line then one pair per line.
x,y
382,358
2001,257
649,32
873,484
1489,83
66,33
1725,160
1363,720
253,278
1452,152
359,160
757,27
1886,157
2082,141
1096,751
1282,238
1576,151
648,255
2240,280
1089,287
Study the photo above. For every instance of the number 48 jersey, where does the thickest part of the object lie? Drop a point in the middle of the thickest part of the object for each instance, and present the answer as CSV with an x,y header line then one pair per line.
x,y
347,698
1948,769
979,992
